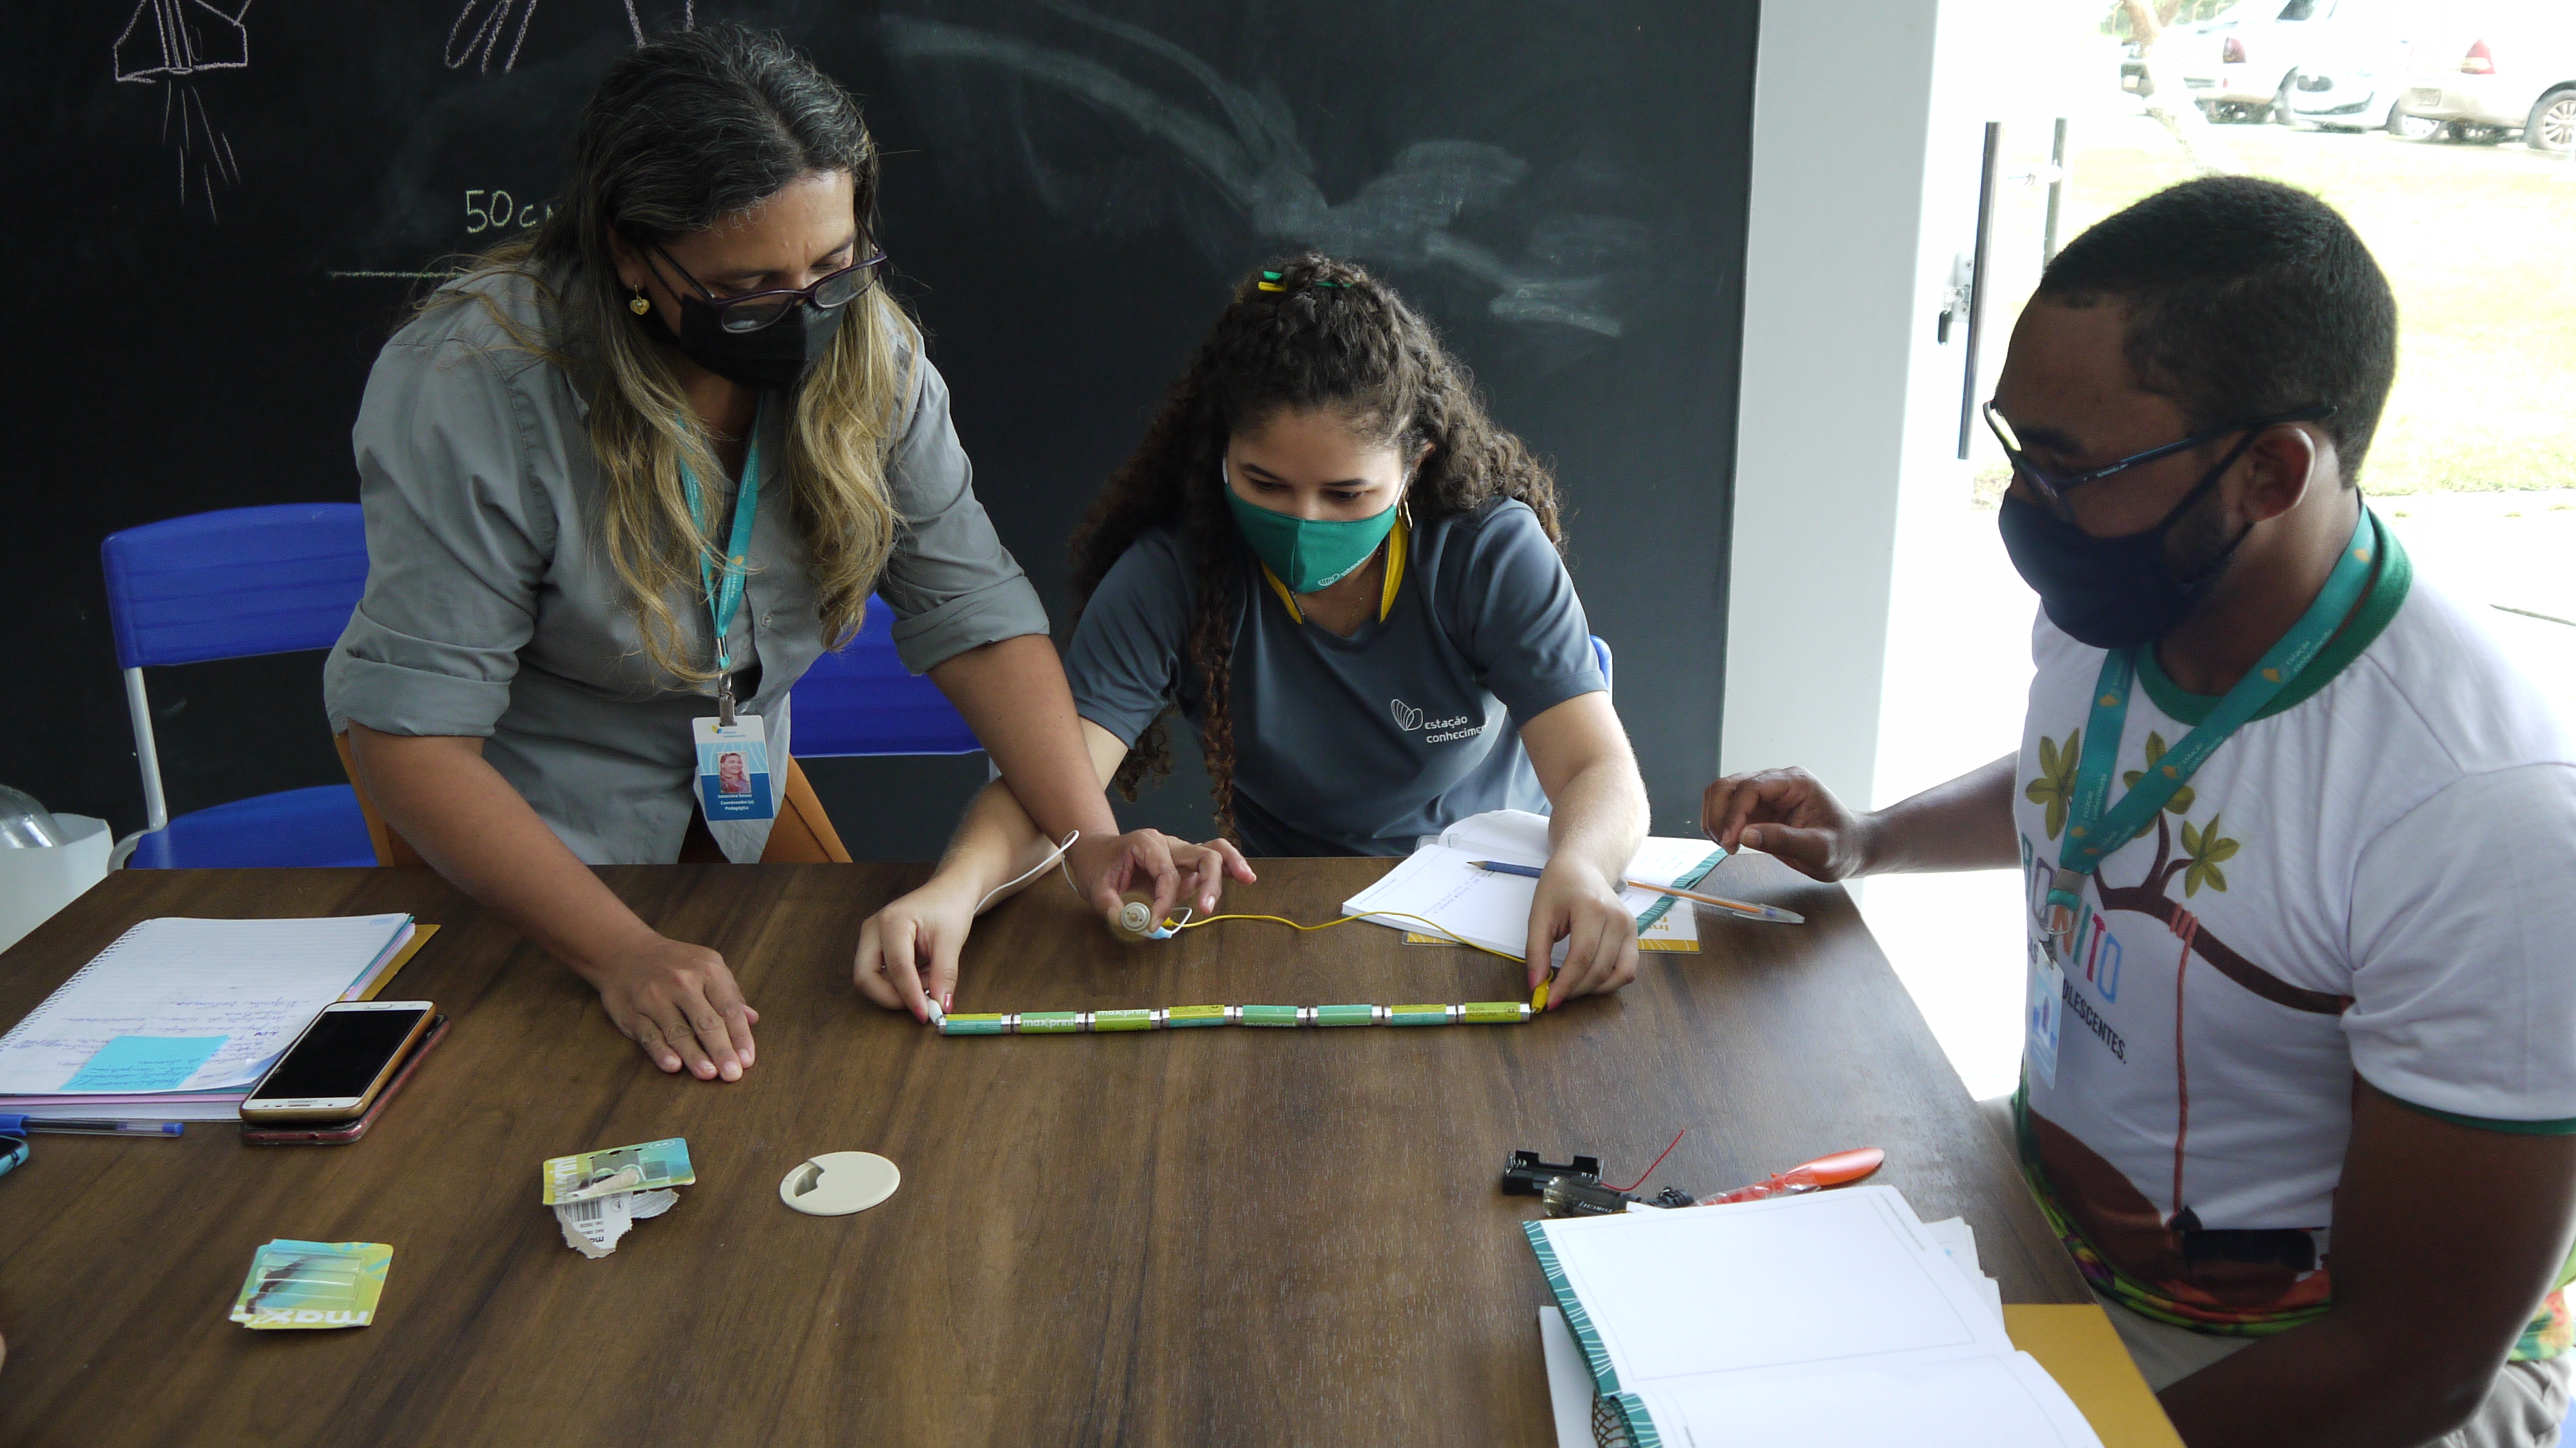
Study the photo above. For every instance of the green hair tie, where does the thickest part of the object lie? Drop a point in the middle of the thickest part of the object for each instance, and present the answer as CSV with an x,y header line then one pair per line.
x,y
1272,281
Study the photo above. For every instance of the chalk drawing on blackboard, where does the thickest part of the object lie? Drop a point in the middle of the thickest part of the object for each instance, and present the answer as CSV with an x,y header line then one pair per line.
x,y
1402,217
166,43
480,24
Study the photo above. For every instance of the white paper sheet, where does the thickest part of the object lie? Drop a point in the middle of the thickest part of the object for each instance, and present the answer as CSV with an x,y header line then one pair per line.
x,y
1569,1382
254,982
1978,1402
1440,882
1768,1321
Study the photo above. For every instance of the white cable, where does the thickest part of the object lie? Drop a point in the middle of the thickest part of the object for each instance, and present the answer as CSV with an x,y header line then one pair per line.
x,y
1034,872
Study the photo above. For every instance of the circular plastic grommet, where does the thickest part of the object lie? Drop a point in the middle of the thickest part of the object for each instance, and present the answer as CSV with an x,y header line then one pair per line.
x,y
839,1183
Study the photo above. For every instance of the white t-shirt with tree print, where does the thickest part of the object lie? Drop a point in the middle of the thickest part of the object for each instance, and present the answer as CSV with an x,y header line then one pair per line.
x,y
2375,878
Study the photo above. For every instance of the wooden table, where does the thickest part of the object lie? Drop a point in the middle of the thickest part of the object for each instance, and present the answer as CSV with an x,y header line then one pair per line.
x,y
1207,1237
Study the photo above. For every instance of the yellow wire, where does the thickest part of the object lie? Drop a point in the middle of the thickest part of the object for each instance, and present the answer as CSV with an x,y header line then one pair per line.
x,y
1436,928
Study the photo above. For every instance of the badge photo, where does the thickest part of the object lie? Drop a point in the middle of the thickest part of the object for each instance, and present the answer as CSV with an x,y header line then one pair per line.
x,y
2046,1017
733,770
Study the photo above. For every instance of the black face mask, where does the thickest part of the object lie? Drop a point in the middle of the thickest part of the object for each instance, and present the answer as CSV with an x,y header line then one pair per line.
x,y
777,356
2111,593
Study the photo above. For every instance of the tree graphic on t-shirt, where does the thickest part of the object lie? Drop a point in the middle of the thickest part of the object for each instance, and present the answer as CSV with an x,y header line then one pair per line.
x,y
2206,848
2055,786
2203,851
2181,802
2148,1242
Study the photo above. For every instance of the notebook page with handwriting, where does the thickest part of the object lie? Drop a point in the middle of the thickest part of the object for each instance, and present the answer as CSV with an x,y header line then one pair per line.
x,y
247,985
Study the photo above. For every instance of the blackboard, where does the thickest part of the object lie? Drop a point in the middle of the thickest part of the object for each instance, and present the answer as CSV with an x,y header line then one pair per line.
x,y
219,208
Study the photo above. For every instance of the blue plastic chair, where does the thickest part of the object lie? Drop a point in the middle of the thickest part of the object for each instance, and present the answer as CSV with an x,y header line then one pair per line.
x,y
230,585
862,701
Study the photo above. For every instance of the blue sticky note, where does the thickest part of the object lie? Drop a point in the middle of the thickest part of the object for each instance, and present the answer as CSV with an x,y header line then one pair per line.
x,y
144,1063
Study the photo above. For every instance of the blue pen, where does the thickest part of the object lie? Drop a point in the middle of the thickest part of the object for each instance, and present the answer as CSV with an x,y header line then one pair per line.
x,y
21,1124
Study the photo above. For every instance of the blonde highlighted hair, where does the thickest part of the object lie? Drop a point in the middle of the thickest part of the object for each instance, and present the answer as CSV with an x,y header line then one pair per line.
x,y
684,132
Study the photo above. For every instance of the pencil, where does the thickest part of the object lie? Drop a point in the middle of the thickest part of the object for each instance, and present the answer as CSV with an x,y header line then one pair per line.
x,y
1745,908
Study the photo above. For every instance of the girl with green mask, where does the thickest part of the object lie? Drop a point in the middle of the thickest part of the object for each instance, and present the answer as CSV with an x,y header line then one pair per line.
x,y
1347,582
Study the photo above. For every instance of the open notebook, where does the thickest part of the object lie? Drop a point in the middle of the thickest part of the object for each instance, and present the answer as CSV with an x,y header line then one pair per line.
x,y
1439,881
181,1017
1825,1320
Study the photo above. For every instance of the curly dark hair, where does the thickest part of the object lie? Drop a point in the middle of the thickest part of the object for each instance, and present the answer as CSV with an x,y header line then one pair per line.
x,y
1306,333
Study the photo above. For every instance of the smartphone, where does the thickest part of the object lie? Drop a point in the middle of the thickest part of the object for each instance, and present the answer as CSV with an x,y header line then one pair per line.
x,y
338,1133
334,1070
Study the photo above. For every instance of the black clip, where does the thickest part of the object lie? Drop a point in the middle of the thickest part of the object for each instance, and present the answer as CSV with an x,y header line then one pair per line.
x,y
1527,1176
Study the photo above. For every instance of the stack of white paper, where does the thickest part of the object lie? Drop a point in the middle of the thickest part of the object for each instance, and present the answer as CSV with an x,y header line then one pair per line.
x,y
1440,883
1825,1320
180,1018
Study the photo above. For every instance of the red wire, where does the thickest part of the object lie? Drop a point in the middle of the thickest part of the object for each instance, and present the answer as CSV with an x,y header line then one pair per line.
x,y
1659,1161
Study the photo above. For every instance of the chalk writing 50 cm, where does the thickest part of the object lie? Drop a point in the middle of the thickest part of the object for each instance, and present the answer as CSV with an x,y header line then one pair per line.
x,y
495,211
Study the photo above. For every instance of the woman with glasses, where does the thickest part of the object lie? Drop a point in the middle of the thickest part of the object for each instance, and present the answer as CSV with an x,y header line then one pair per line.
x,y
624,482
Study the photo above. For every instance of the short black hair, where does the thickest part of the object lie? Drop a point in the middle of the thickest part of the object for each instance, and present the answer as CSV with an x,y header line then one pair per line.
x,y
2244,298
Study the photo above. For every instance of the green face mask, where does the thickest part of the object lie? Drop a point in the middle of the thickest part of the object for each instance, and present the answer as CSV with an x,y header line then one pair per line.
x,y
1307,554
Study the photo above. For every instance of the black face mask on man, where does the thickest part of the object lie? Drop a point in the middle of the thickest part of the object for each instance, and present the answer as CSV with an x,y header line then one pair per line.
x,y
2114,593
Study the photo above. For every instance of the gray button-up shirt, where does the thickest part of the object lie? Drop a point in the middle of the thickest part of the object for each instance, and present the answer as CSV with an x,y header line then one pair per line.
x,y
492,610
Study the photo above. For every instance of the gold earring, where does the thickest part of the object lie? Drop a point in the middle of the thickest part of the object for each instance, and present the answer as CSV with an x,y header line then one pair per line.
x,y
639,306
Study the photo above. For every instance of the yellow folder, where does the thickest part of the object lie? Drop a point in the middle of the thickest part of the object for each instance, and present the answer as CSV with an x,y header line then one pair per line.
x,y
2080,1348
420,935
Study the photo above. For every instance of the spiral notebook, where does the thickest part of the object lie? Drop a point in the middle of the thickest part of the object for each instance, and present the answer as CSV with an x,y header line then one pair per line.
x,y
1439,882
1827,1320
181,1017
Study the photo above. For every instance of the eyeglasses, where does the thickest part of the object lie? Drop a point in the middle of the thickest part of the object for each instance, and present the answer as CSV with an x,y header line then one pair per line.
x,y
753,311
2053,487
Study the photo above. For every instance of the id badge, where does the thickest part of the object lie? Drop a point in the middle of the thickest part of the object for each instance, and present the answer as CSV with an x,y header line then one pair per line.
x,y
2045,1016
733,770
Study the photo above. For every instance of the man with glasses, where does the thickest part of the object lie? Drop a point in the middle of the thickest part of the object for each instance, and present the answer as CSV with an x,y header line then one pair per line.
x,y
2299,1087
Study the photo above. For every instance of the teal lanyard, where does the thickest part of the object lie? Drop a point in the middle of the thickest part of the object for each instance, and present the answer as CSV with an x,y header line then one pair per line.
x,y
724,599
2093,831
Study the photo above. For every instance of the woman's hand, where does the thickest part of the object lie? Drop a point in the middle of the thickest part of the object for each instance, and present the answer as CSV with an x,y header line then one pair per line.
x,y
1204,869
1180,871
908,950
678,1003
1579,905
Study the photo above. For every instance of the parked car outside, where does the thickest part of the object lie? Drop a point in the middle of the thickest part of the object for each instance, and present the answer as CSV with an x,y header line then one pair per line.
x,y
2356,77
2176,39
2516,71
2243,68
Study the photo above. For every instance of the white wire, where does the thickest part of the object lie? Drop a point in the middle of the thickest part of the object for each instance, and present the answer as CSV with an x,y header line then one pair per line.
x,y
1035,871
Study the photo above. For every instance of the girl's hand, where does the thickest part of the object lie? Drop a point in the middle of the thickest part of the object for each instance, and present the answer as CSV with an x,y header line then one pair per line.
x,y
908,950
1180,873
1579,905
1204,868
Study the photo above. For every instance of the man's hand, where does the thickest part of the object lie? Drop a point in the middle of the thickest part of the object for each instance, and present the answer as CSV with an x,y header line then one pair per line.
x,y
1789,815
1576,903
908,950
678,1003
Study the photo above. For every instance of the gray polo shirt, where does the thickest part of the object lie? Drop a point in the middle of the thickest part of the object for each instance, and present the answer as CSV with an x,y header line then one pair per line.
x,y
1355,746
492,610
